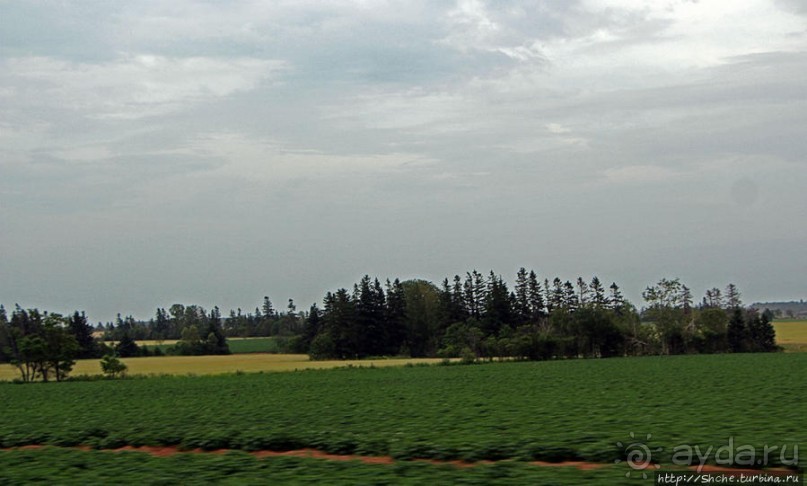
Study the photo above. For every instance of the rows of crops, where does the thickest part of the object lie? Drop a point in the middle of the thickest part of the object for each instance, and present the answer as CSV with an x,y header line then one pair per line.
x,y
546,410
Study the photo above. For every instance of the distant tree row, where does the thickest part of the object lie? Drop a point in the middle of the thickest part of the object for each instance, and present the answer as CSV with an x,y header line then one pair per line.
x,y
173,322
45,346
479,316
474,316
719,324
198,332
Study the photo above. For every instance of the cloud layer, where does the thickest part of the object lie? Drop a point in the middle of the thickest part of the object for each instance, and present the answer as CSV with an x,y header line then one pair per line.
x,y
213,153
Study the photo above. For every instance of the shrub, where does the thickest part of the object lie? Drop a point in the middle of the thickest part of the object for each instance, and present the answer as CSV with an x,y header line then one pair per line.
x,y
112,366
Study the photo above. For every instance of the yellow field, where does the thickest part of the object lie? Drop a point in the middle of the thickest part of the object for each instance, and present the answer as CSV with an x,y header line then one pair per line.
x,y
149,342
792,335
154,342
211,365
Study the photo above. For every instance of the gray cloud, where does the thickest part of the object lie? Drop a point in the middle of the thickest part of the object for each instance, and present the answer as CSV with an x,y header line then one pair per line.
x,y
212,153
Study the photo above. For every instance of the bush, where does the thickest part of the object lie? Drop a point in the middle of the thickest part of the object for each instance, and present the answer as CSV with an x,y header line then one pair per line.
x,y
322,347
112,366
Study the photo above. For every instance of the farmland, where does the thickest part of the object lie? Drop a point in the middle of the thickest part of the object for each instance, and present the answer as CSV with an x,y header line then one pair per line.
x,y
208,365
791,335
549,411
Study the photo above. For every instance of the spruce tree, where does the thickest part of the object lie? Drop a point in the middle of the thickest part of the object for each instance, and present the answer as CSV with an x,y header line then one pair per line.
x,y
737,332
522,301
535,297
395,317
82,332
597,291
615,299
733,297
582,292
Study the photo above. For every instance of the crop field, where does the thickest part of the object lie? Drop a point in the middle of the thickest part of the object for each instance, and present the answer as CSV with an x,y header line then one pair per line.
x,y
253,345
576,410
791,335
208,365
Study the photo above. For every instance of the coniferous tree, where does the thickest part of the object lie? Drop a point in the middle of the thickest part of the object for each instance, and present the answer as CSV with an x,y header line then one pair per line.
x,y
313,324
470,298
452,302
340,321
268,308
570,301
732,297
615,299
127,347
474,288
459,306
582,292
686,299
5,336
762,335
369,318
557,297
82,332
597,292
535,297
714,298
522,307
215,342
162,325
497,307
396,316
737,332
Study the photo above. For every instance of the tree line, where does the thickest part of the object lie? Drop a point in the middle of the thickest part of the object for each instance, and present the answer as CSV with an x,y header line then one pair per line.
x,y
471,316
171,323
479,316
43,345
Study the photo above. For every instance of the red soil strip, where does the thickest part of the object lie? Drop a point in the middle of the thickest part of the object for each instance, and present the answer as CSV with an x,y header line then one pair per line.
x,y
583,466
154,451
312,453
317,454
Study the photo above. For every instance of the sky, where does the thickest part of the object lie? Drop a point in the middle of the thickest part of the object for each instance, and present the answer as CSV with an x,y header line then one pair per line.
x,y
213,152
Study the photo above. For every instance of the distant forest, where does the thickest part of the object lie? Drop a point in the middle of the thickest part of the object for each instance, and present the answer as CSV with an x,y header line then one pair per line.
x,y
789,310
472,316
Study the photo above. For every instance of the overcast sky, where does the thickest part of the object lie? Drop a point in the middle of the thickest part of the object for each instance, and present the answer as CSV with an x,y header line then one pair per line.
x,y
214,152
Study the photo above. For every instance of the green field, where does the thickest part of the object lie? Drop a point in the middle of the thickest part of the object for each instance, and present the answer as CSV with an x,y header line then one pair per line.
x,y
551,411
253,345
791,334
